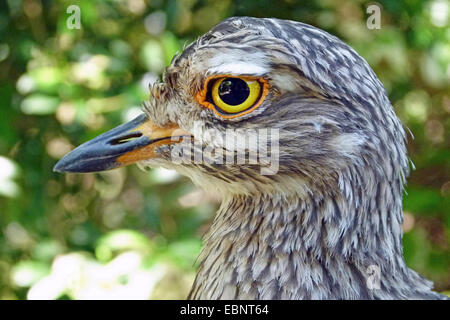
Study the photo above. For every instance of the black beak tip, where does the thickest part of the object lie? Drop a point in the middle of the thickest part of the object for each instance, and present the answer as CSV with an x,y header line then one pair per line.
x,y
102,152
58,168
68,165
64,166
73,162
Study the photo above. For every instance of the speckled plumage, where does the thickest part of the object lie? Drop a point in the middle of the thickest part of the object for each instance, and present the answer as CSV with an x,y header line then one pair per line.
x,y
335,206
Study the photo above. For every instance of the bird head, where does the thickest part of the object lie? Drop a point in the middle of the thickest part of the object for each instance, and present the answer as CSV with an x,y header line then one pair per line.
x,y
264,104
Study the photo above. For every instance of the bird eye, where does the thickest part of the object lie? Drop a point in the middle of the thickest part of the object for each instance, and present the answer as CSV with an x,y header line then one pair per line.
x,y
231,97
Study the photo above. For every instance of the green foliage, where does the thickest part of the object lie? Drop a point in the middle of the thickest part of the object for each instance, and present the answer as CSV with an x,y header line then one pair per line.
x,y
112,234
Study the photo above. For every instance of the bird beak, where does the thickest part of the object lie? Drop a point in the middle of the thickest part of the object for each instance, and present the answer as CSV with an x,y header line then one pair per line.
x,y
121,146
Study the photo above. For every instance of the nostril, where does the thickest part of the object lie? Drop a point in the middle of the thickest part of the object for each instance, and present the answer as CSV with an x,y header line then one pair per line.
x,y
127,138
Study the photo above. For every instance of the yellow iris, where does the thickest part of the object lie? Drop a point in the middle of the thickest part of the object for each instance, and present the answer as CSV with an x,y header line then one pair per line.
x,y
233,95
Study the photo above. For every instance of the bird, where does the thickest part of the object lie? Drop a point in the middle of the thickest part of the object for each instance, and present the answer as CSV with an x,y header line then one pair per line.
x,y
321,218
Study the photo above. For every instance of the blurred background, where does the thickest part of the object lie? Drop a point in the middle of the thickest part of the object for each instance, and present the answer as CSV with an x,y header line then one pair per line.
x,y
130,234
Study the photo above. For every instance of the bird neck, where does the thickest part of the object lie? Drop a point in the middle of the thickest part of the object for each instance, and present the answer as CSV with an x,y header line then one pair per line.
x,y
336,245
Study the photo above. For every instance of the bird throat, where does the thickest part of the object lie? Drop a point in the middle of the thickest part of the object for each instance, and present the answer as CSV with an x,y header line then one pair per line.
x,y
315,247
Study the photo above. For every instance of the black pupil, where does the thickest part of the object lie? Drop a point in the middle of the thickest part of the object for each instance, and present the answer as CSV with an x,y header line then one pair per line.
x,y
233,91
